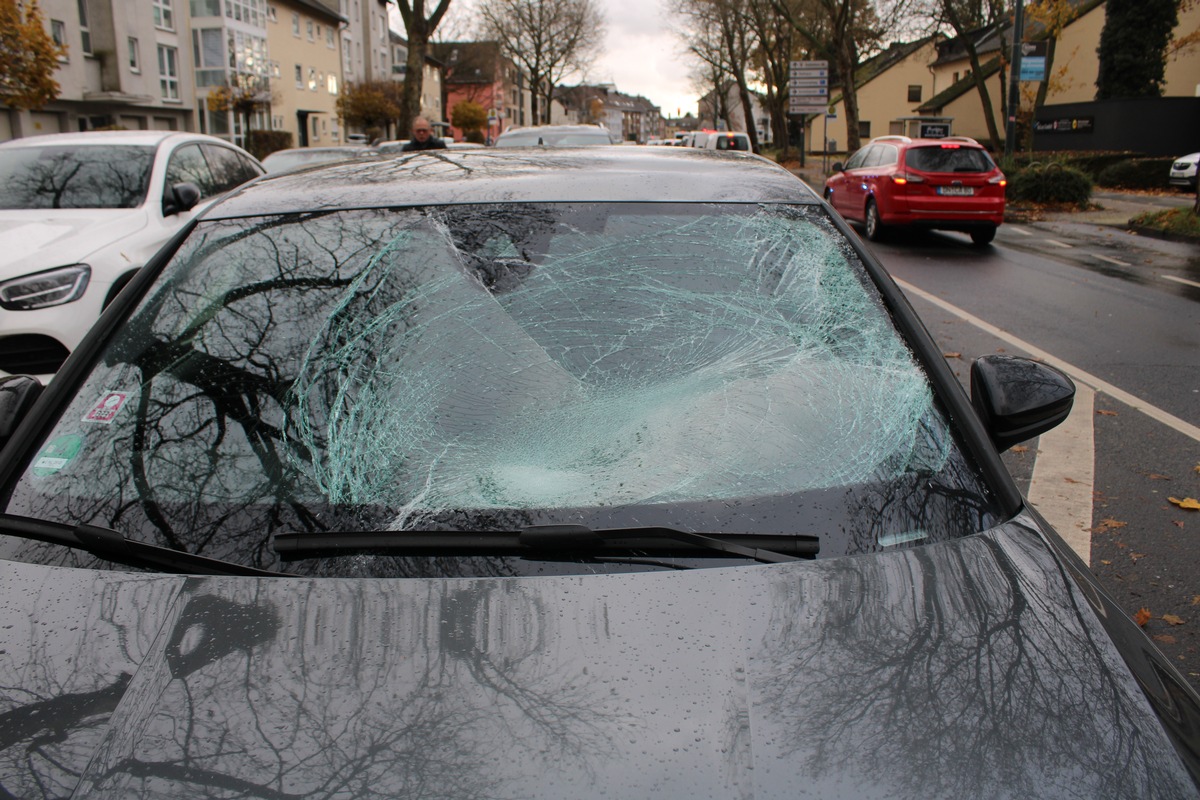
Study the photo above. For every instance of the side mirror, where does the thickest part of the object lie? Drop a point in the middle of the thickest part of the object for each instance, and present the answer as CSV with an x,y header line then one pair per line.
x,y
17,395
180,197
1019,399
839,166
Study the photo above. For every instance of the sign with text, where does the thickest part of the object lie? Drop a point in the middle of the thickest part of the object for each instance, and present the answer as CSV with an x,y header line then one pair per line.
x,y
1065,125
808,87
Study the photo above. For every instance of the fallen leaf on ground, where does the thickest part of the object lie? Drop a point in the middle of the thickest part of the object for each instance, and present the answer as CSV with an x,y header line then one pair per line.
x,y
1137,556
1178,523
1071,480
1104,413
1142,616
1190,503
1165,638
1154,476
1171,619
952,355
1106,562
1019,448
1196,599
1108,524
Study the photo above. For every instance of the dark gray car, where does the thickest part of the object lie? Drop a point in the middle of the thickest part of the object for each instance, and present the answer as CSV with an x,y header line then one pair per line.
x,y
607,472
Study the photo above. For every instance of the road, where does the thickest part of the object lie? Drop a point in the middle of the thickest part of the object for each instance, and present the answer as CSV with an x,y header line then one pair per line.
x,y
1121,314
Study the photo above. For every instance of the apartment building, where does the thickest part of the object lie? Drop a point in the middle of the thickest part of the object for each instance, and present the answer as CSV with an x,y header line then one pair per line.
x,y
306,71
126,66
481,73
365,40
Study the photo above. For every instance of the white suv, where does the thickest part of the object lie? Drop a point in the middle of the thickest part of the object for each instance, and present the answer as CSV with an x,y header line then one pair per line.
x,y
1183,171
80,213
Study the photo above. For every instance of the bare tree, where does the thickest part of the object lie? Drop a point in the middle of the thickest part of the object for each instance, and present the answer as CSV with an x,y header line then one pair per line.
x,y
549,39
968,18
840,31
418,30
717,39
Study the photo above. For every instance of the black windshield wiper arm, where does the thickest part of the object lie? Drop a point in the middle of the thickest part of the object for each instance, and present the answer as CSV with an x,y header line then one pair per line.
x,y
544,539
113,546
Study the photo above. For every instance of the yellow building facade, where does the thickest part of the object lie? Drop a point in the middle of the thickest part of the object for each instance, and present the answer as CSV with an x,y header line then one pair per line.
x,y
304,44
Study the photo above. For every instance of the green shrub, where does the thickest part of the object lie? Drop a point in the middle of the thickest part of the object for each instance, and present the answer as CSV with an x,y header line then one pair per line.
x,y
1136,173
1050,183
261,144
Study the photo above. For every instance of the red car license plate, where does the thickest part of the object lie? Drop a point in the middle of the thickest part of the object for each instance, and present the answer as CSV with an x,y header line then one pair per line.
x,y
957,191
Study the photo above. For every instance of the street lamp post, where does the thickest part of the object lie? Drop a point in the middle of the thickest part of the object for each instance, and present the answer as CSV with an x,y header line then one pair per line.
x,y
1014,78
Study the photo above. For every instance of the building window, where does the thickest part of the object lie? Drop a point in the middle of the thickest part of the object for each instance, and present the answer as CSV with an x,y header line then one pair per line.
x,y
316,130
135,62
206,8
295,24
248,11
332,84
914,94
271,14
312,79
208,56
168,72
299,77
329,38
864,129
58,32
84,32
308,26
164,16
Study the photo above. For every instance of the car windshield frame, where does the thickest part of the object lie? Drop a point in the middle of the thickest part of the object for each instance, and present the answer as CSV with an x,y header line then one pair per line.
x,y
174,350
52,176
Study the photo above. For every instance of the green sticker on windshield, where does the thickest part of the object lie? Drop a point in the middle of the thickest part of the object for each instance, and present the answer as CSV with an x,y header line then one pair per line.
x,y
57,454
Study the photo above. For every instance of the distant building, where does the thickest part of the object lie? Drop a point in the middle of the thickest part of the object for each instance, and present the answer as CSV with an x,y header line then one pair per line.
x,y
302,37
128,65
629,118
481,73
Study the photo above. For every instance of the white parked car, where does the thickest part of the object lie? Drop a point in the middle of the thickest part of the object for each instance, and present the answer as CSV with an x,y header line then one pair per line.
x,y
80,213
728,140
1183,171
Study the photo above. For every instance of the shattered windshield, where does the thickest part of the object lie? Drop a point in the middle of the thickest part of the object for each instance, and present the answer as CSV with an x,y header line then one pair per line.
x,y
722,368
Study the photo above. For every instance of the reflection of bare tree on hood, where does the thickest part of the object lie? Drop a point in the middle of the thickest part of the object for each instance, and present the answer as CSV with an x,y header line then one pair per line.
x,y
965,670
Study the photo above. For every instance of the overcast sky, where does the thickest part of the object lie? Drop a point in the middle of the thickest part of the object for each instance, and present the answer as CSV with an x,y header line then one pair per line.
x,y
641,55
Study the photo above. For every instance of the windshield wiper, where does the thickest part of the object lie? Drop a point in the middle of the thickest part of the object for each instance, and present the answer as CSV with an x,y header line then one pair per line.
x,y
563,540
113,546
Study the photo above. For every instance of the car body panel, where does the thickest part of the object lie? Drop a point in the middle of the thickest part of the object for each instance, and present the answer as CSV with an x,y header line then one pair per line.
x,y
970,668
983,666
511,175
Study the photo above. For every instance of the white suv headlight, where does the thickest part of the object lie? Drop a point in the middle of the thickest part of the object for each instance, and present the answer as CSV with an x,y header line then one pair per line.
x,y
43,289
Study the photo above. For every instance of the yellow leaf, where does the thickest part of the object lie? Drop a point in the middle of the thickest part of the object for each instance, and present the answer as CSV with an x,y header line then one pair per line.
x,y
1104,413
1165,638
1171,619
1190,503
1142,616
952,355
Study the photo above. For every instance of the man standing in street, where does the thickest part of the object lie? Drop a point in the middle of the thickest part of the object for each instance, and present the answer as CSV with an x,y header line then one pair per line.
x,y
422,137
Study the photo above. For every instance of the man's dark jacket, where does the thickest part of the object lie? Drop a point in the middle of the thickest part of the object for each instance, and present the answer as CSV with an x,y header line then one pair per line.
x,y
432,143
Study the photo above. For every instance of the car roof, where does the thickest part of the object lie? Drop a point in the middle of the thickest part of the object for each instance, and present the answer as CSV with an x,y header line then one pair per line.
x,y
585,174
144,138
556,129
911,141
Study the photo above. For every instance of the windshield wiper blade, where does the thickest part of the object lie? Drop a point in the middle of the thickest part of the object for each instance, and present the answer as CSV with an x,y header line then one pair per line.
x,y
575,540
113,546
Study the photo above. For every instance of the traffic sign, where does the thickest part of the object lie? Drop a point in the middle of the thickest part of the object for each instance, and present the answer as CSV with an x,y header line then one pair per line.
x,y
803,82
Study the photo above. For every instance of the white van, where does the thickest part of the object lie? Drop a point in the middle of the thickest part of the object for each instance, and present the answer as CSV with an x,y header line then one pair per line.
x,y
728,140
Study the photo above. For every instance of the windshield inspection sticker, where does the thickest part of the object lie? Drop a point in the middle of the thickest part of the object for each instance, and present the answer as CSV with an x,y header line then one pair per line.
x,y
105,410
57,454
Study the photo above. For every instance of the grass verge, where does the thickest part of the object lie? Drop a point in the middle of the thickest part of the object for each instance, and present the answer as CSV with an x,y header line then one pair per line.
x,y
1181,222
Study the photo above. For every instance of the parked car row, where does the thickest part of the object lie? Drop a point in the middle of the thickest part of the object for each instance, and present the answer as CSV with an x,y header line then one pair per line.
x,y
543,472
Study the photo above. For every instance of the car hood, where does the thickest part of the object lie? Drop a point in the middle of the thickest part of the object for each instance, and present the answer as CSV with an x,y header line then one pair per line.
x,y
37,239
968,669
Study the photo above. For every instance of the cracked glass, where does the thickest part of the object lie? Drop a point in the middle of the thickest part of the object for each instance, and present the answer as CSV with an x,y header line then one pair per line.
x,y
714,367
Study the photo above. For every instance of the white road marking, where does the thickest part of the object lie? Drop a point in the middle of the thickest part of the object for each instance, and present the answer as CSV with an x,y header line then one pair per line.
x,y
1015,229
1184,281
1116,261
1078,375
1057,243
1064,475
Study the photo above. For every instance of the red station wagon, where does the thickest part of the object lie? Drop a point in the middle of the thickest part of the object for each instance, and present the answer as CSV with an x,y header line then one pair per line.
x,y
949,184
